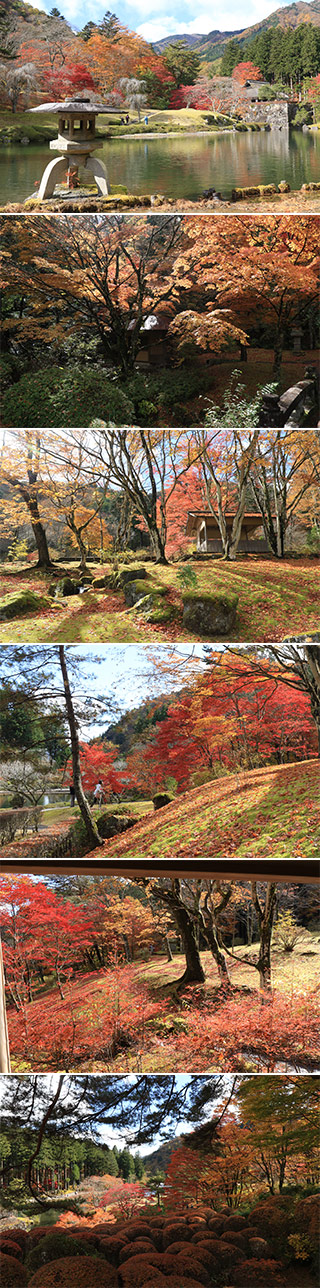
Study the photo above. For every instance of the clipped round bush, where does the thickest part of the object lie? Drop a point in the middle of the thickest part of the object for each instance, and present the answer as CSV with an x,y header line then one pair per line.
x,y
112,1247
196,1221
259,1274
132,1249
39,1232
216,1225
74,1272
178,1230
175,1281
71,396
234,1222
54,1246
86,1236
137,1230
228,1254
18,1236
259,1248
157,1280
272,1220
201,1254
239,1238
187,1264
306,1218
135,1272
11,1248
12,1273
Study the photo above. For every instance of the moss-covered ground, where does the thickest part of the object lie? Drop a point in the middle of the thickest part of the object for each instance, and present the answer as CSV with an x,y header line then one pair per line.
x,y
277,598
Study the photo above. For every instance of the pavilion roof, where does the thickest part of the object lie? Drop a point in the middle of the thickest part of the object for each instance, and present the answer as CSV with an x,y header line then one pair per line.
x,y
250,519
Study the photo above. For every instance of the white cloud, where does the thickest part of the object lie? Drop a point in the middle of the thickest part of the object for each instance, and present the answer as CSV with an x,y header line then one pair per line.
x,y
151,19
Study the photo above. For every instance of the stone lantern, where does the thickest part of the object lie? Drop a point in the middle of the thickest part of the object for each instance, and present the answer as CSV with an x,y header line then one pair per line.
x,y
76,141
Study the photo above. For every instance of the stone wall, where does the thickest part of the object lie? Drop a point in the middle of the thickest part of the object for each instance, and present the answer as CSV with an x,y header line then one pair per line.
x,y
275,115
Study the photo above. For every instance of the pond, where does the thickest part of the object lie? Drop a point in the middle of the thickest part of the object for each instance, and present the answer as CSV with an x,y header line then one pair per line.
x,y
182,166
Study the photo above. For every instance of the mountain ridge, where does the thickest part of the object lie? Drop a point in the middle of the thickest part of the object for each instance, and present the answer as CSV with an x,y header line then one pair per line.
x,y
212,44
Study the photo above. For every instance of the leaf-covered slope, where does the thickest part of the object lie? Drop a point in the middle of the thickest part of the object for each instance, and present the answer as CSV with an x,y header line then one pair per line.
x,y
273,811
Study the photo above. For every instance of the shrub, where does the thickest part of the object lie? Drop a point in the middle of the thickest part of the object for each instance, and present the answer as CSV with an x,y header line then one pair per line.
x,y
137,1230
175,1281
39,1232
18,1235
12,1273
71,397
259,1248
259,1274
216,1224
10,1248
53,1246
306,1217
239,1238
74,1272
234,1222
188,1264
228,1254
176,1230
132,1249
201,1254
135,1272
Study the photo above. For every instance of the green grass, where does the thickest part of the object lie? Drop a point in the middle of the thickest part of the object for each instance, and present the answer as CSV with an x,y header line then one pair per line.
x,y
277,598
272,811
43,126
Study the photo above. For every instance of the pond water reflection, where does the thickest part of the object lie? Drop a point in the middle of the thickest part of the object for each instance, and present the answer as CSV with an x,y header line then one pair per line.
x,y
182,166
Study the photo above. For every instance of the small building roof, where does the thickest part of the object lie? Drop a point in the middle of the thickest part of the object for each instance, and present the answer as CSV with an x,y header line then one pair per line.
x,y
249,520
80,105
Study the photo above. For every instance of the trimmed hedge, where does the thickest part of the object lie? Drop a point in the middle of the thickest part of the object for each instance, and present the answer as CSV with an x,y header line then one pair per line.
x,y
112,1247
71,396
259,1274
53,1246
12,1273
132,1249
10,1248
74,1272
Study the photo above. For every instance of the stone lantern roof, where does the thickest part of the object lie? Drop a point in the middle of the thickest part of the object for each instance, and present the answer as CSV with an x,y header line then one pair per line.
x,y
81,104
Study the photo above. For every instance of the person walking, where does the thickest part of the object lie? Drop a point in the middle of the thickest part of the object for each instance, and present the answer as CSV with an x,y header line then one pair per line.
x,y
72,795
98,793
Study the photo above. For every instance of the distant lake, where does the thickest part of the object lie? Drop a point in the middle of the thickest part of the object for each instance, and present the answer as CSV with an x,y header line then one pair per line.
x,y
182,166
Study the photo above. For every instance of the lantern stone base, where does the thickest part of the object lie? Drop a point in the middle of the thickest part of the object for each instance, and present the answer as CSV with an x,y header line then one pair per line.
x,y
56,168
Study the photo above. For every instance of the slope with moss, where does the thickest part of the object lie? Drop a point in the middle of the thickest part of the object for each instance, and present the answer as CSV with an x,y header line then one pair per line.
x,y
271,811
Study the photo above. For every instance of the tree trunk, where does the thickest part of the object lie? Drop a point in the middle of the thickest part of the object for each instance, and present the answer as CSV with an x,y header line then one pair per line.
x,y
168,947
194,973
277,355
265,921
90,826
44,560
4,1040
218,955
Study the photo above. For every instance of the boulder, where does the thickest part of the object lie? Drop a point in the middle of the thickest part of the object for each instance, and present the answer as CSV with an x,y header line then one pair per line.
x,y
134,591
125,575
160,799
19,602
67,586
209,615
113,824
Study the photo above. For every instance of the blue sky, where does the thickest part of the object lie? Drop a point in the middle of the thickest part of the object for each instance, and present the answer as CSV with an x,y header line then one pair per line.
x,y
154,19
